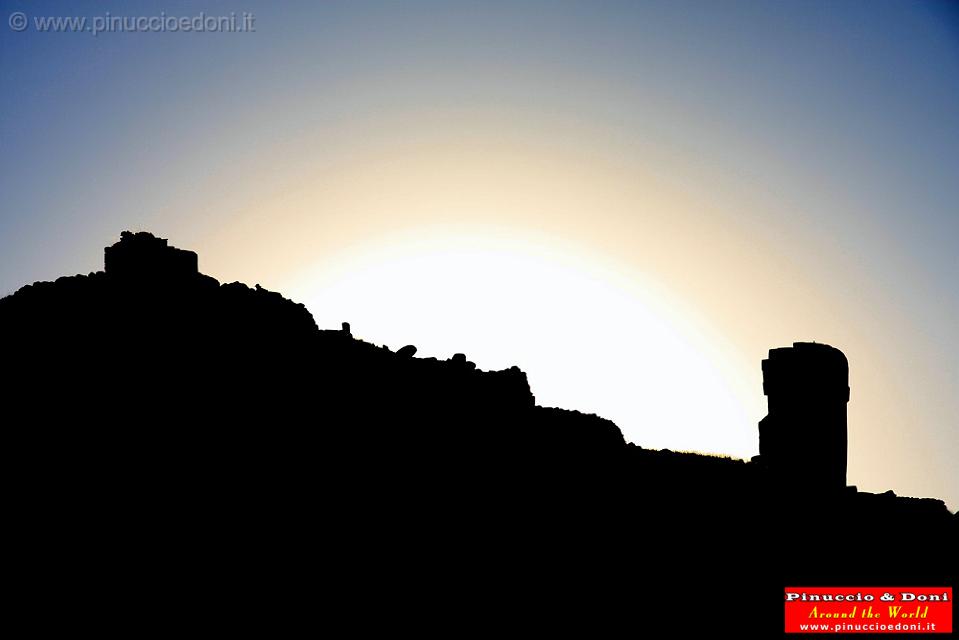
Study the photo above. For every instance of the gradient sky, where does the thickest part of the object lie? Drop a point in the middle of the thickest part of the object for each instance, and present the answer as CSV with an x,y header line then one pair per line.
x,y
631,201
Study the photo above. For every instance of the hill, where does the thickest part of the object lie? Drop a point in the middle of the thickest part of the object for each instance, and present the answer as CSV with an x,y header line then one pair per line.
x,y
181,444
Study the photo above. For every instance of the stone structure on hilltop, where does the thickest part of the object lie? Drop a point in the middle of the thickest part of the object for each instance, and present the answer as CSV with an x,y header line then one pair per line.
x,y
144,256
802,440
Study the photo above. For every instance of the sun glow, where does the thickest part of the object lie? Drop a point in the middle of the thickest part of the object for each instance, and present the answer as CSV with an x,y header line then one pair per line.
x,y
591,336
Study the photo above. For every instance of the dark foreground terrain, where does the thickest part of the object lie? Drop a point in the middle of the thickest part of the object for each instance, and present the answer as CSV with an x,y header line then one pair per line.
x,y
199,457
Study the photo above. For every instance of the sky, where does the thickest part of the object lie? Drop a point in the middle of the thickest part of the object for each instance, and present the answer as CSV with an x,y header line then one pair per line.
x,y
632,201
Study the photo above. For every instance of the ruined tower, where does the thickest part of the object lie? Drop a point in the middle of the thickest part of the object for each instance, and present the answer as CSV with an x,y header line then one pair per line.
x,y
802,439
144,256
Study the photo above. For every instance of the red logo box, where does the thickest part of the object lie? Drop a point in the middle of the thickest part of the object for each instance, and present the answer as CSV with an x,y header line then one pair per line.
x,y
869,609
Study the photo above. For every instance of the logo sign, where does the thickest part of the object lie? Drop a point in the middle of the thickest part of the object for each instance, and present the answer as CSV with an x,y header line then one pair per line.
x,y
869,609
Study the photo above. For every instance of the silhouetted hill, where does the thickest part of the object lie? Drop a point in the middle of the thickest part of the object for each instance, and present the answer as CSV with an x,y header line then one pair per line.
x,y
181,445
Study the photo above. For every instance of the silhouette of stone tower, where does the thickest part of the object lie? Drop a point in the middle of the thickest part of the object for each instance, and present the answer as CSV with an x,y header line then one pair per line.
x,y
145,257
802,440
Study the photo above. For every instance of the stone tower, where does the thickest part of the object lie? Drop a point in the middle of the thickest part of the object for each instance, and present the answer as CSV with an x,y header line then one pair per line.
x,y
143,256
802,440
